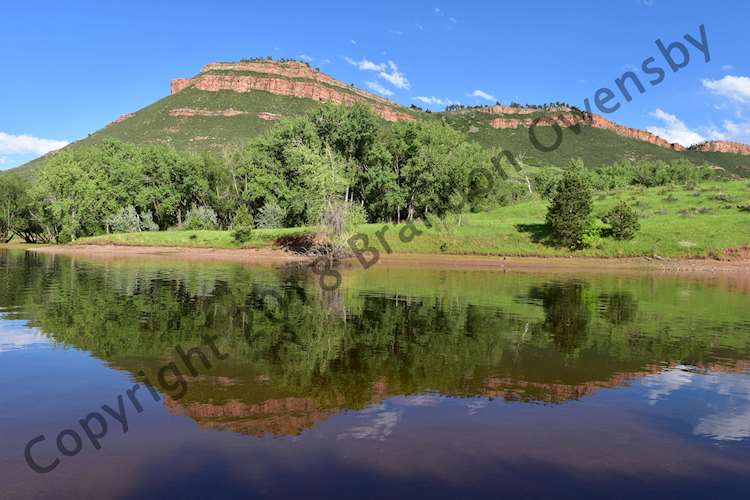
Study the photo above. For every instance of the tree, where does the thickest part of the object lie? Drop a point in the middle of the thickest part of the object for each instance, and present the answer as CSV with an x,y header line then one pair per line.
x,y
569,214
14,204
624,221
242,224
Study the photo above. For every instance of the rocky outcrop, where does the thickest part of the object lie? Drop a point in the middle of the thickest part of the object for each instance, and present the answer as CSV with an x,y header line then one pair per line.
x,y
568,120
121,118
500,109
179,84
722,147
204,112
286,78
264,115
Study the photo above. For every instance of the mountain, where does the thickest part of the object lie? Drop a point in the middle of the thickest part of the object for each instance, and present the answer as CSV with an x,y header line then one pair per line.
x,y
229,102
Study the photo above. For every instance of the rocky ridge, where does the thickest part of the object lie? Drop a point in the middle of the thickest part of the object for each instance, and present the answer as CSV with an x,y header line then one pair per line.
x,y
290,78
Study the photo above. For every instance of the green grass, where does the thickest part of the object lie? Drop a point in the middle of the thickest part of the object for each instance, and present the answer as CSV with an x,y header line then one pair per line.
x,y
675,222
261,238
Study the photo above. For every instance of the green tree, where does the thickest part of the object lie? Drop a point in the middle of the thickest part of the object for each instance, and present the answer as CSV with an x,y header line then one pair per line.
x,y
569,214
242,224
14,204
623,220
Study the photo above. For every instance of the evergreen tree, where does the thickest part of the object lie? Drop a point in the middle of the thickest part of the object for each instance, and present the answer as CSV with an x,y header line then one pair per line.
x,y
569,214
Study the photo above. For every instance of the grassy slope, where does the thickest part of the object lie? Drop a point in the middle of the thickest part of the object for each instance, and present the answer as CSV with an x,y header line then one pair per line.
x,y
153,124
675,223
596,147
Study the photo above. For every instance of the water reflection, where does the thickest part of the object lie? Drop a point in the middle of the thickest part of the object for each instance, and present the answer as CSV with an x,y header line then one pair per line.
x,y
401,378
299,355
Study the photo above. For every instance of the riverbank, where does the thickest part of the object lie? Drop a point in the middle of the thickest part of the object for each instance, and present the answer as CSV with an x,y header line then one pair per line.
x,y
400,260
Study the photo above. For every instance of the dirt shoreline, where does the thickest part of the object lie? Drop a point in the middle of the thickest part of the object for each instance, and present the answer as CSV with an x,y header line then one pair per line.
x,y
475,262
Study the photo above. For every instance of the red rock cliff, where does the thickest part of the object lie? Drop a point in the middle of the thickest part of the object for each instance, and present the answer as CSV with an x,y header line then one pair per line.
x,y
569,119
286,78
722,147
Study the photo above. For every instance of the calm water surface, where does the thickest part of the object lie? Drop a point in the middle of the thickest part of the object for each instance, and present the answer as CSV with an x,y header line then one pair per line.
x,y
402,383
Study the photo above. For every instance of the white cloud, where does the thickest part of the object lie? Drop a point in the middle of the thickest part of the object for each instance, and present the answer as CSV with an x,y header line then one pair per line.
x,y
483,95
3,160
438,11
27,144
389,72
734,87
453,20
395,77
727,67
366,65
434,101
354,42
305,57
674,129
731,131
326,61
379,88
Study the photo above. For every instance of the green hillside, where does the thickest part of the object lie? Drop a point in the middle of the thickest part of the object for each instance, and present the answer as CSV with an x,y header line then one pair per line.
x,y
210,130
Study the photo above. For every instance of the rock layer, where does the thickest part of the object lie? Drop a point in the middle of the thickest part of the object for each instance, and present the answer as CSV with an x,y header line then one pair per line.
x,y
570,119
286,78
722,147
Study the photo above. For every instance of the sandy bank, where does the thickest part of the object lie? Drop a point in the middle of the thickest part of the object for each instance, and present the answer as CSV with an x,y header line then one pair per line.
x,y
528,264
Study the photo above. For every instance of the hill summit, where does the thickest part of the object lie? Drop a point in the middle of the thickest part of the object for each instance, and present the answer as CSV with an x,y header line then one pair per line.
x,y
227,103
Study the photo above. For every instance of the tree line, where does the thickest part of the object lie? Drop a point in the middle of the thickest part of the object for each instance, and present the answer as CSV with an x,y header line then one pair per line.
x,y
289,176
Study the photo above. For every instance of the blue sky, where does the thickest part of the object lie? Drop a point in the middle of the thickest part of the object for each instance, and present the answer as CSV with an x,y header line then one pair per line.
x,y
69,68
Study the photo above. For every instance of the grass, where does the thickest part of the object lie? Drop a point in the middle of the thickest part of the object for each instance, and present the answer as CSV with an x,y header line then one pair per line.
x,y
261,238
675,222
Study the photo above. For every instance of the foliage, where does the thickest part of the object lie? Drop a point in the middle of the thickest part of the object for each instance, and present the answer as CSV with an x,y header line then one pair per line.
x,y
545,183
242,224
126,220
623,220
147,222
569,214
201,218
592,236
271,216
14,204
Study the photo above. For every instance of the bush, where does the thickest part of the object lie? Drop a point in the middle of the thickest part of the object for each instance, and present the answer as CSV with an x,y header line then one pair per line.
x,y
592,237
242,224
545,183
271,216
201,218
126,220
147,222
623,220
569,214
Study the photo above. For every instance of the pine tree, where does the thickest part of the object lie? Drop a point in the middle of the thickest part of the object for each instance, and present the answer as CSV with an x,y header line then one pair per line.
x,y
569,213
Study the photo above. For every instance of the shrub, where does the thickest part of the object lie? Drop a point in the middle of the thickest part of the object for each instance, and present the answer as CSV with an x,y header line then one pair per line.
x,y
125,220
592,237
242,224
147,222
201,218
545,183
271,216
623,220
569,214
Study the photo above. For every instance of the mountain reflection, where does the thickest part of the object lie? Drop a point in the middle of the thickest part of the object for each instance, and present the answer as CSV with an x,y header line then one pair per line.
x,y
299,355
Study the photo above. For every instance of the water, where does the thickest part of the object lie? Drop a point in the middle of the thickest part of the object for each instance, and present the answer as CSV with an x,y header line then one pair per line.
x,y
402,383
